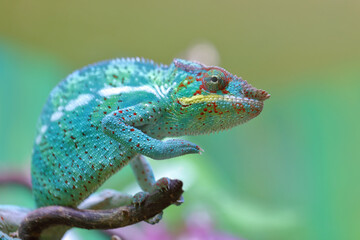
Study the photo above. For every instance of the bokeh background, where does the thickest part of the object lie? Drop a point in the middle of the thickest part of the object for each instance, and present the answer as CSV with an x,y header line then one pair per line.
x,y
291,173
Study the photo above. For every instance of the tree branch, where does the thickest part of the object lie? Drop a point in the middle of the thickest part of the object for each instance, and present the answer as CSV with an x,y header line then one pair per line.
x,y
43,218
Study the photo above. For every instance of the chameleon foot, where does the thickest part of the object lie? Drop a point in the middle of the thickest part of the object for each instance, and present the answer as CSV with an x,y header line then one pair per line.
x,y
162,185
155,219
139,198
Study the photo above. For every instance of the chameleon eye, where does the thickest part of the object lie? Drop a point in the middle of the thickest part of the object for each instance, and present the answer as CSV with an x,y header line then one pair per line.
x,y
214,81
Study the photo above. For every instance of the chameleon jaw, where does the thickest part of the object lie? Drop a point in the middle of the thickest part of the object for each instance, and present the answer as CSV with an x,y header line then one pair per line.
x,y
238,110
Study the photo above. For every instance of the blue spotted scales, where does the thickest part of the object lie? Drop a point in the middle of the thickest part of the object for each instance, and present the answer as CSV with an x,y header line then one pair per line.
x,y
112,113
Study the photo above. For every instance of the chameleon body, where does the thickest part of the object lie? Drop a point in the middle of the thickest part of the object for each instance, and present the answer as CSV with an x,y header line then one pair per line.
x,y
111,113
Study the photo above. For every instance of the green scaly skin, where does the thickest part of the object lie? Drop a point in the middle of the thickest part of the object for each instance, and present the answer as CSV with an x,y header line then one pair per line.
x,y
111,113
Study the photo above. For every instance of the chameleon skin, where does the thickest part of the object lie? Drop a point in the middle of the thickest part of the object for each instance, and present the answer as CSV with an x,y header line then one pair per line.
x,y
111,113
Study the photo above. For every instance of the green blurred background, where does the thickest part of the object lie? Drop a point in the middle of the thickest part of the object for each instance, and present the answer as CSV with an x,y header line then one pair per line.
x,y
291,173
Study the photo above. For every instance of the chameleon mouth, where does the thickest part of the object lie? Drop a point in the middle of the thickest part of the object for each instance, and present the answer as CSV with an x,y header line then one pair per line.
x,y
186,101
253,106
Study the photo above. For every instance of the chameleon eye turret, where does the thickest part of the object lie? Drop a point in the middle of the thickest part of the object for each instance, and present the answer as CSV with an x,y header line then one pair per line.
x,y
214,80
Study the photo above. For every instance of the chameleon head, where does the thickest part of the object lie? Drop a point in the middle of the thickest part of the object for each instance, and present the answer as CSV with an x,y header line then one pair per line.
x,y
209,99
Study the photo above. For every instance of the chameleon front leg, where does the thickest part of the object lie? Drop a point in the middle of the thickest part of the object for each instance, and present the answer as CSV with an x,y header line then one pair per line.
x,y
122,125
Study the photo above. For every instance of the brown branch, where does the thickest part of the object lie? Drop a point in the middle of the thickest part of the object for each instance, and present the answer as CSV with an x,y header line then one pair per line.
x,y
43,218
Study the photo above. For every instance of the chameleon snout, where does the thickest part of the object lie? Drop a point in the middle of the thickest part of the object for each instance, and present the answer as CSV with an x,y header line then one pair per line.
x,y
254,93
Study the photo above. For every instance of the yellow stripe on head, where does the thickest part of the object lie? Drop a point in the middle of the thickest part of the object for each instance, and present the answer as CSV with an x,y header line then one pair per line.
x,y
199,99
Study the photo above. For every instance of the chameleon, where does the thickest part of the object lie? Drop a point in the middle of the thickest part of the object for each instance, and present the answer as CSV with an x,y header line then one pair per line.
x,y
117,112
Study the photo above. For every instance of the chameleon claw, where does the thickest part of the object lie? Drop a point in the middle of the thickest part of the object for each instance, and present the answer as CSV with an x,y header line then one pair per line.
x,y
139,198
201,151
162,184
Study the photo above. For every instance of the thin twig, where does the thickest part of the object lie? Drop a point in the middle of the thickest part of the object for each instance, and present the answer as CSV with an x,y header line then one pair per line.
x,y
15,178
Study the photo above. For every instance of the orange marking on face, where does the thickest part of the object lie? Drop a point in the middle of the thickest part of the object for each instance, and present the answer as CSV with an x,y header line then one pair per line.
x,y
197,92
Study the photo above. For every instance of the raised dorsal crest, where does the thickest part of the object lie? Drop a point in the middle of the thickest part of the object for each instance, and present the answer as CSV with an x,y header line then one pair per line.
x,y
188,66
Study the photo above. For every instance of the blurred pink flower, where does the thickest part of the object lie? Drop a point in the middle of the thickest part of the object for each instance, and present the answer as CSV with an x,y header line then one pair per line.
x,y
198,226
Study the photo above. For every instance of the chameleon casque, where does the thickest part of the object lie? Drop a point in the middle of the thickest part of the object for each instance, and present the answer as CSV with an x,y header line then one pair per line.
x,y
112,113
